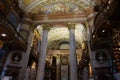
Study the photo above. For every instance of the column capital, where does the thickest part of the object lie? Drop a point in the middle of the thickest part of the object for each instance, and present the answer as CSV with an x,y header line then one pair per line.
x,y
32,27
71,26
85,24
46,26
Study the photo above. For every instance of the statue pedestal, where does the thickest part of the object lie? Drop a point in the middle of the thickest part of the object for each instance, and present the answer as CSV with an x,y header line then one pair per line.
x,y
7,78
117,75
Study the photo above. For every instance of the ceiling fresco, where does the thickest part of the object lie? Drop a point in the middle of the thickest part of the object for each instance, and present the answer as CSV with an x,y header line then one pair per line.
x,y
58,37
55,6
60,7
26,2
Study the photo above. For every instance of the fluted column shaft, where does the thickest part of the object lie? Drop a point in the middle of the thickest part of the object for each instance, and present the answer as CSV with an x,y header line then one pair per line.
x,y
58,68
26,27
85,75
42,56
73,57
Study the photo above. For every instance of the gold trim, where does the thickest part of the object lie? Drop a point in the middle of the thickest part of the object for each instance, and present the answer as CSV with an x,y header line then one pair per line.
x,y
1,43
71,26
46,26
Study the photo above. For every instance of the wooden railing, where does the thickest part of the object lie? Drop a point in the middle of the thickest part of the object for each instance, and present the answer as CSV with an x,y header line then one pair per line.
x,y
14,35
22,40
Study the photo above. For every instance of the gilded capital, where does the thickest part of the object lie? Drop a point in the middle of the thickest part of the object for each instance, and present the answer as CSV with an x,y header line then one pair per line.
x,y
85,25
46,26
32,27
71,25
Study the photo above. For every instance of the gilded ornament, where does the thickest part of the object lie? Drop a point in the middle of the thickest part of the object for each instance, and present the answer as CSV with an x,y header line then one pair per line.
x,y
71,25
46,26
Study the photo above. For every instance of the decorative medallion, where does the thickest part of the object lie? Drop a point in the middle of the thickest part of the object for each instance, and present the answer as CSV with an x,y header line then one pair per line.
x,y
16,57
101,57
64,60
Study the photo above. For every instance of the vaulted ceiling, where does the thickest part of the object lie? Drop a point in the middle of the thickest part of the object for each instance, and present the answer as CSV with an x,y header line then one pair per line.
x,y
58,37
50,11
55,6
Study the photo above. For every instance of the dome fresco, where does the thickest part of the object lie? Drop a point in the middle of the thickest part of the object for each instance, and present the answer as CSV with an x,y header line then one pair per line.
x,y
60,7
55,6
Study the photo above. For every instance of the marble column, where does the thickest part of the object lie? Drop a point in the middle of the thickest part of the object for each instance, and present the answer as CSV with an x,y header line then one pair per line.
x,y
26,27
58,68
85,75
73,57
5,67
43,50
90,52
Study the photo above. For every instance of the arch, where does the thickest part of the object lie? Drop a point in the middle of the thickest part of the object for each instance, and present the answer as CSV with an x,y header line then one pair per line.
x,y
83,4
